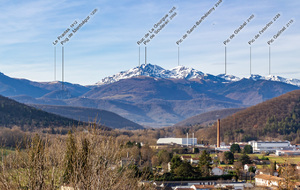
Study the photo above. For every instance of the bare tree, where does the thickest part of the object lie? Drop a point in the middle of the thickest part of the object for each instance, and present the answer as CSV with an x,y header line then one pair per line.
x,y
80,160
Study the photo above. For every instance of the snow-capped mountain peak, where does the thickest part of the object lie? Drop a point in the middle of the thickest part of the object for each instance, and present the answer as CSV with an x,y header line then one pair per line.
x,y
179,72
182,72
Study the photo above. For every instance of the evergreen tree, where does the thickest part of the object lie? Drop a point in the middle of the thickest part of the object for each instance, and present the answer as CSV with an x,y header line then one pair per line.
x,y
235,148
70,159
204,164
273,167
184,170
163,156
229,157
36,163
252,169
248,149
84,153
83,161
175,162
245,159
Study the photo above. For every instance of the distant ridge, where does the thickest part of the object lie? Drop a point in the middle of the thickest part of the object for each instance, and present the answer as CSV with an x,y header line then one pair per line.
x,y
98,116
21,87
208,117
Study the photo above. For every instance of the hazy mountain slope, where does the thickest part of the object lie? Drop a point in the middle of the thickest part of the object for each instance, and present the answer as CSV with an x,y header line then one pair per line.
x,y
22,87
75,90
126,110
168,101
12,87
102,117
162,101
275,118
142,88
208,117
251,92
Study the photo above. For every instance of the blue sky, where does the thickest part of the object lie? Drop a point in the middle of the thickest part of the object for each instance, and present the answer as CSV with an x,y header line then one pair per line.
x,y
107,43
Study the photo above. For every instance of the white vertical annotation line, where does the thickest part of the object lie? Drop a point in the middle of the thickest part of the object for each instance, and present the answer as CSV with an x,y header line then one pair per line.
x,y
62,65
250,61
225,60
54,63
139,68
145,55
178,56
269,60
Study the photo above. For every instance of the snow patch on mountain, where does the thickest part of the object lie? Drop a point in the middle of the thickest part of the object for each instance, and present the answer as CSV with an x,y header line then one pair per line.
x,y
295,82
229,78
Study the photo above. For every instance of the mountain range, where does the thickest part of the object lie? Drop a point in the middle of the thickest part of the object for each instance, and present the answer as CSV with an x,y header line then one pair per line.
x,y
182,72
153,96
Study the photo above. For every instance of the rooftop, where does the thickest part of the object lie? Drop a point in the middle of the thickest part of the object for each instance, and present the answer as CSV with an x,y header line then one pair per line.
x,y
204,186
268,177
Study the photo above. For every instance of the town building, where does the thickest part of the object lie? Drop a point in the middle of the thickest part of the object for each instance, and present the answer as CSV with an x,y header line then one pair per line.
x,y
217,171
180,141
183,157
270,146
194,160
264,180
197,185
222,148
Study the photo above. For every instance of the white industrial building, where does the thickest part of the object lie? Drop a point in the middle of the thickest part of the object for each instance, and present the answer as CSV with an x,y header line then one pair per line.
x,y
223,147
270,146
287,152
180,141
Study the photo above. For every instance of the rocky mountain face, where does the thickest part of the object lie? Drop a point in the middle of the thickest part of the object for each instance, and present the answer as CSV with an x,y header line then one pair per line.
x,y
153,96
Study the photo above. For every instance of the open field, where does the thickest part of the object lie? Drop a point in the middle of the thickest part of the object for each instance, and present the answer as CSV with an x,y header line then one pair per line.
x,y
283,159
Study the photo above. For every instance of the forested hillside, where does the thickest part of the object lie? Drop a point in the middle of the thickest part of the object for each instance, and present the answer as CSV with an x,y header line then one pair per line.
x,y
278,118
13,113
